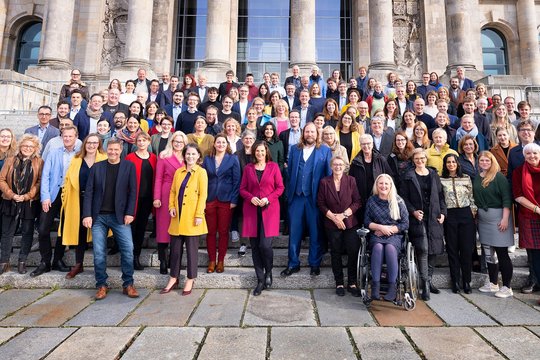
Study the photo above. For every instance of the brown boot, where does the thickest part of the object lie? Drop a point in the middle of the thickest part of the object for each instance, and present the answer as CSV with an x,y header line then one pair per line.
x,y
4,268
102,293
211,267
220,267
130,291
77,269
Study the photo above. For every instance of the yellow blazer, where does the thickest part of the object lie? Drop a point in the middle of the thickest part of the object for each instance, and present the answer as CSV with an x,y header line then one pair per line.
x,y
193,205
435,158
355,137
71,206
205,143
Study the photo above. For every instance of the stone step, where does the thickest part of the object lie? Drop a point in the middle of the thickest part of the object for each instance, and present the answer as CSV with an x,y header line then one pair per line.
x,y
149,257
239,278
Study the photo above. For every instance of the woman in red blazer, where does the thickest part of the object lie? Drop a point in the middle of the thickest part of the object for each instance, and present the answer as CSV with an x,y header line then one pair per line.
x,y
260,188
338,199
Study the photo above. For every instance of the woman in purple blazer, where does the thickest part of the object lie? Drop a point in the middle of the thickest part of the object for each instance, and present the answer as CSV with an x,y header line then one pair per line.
x,y
338,199
260,188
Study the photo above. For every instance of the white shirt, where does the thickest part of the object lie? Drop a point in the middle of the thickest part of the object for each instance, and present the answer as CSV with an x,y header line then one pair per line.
x,y
307,151
93,125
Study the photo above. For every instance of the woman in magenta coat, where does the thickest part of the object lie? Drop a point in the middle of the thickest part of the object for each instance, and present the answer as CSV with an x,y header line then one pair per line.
x,y
260,188
169,161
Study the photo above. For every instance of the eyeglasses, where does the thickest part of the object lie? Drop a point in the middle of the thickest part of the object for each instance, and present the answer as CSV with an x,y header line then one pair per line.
x,y
526,130
5,136
175,142
420,158
366,144
401,140
44,114
76,74
93,143
27,146
338,165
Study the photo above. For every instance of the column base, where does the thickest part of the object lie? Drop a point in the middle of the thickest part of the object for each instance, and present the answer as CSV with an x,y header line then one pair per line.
x,y
214,70
305,67
380,70
49,73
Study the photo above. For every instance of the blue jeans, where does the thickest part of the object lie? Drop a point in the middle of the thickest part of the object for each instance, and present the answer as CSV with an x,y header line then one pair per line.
x,y
122,234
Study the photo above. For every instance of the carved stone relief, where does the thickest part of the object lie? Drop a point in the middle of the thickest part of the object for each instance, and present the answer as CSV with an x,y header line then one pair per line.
x,y
408,53
114,36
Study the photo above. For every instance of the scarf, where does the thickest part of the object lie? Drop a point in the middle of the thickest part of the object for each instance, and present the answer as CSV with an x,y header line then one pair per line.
x,y
378,95
128,137
461,133
527,181
22,175
315,78
94,114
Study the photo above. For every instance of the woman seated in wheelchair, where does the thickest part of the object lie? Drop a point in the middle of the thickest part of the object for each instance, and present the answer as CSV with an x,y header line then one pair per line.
x,y
387,217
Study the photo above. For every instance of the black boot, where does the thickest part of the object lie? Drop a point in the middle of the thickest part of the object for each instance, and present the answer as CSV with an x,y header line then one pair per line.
x,y
433,289
455,287
260,286
137,264
163,267
375,290
268,280
425,290
391,293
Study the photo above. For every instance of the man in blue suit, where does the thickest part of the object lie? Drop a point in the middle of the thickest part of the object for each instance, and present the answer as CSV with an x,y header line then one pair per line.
x,y
44,131
109,203
177,106
308,163
464,83
307,112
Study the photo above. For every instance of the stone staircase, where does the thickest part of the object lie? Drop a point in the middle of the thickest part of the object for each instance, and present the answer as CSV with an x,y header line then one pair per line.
x,y
238,273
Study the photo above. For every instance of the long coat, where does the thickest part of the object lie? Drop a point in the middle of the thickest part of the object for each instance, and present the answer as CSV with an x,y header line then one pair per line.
x,y
71,203
413,197
165,171
270,187
193,204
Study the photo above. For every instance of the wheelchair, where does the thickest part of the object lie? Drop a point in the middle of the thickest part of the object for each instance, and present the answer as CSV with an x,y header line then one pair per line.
x,y
408,276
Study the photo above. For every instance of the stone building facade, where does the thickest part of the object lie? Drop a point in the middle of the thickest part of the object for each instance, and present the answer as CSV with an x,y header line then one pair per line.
x,y
112,38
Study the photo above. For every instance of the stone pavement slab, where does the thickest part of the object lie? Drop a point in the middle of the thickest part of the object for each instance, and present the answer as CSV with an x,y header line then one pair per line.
x,y
534,329
170,309
14,299
451,343
507,311
34,343
529,299
8,333
220,308
52,310
280,308
376,343
455,310
389,314
514,342
336,310
109,311
94,343
235,343
312,343
165,343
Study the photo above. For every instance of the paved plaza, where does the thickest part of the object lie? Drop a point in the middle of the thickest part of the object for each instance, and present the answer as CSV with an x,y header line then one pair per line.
x,y
280,324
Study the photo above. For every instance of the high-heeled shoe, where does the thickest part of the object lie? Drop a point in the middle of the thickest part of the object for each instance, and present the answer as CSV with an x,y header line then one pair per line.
x,y
187,292
220,267
166,291
211,267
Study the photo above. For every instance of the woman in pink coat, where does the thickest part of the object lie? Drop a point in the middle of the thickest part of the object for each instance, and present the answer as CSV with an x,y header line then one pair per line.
x,y
169,161
260,188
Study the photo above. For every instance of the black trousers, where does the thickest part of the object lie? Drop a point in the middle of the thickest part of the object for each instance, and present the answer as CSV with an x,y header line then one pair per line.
x,y
262,252
46,219
9,223
343,241
138,226
460,235
192,250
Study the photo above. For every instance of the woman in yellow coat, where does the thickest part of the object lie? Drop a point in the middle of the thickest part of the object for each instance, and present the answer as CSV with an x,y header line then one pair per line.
x,y
72,195
188,222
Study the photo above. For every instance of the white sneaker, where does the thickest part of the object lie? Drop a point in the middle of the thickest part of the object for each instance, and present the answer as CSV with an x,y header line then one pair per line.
x,y
235,236
242,250
512,249
489,287
504,292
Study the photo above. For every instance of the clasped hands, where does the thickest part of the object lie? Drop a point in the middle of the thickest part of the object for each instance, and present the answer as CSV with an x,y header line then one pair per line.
x,y
259,202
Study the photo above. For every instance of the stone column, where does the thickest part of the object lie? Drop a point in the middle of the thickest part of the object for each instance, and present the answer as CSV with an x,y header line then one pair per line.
x,y
57,34
218,30
381,44
3,17
528,40
303,51
139,34
360,35
459,30
163,36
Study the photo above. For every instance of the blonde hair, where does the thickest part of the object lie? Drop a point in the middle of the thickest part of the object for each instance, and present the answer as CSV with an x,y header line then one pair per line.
x,y
34,140
393,198
493,170
12,148
168,151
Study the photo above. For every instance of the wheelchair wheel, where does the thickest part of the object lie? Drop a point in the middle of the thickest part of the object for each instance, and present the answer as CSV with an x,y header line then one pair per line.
x,y
409,303
412,275
361,264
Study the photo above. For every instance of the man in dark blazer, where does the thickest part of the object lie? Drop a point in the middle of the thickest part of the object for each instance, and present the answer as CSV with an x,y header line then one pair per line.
x,y
177,106
294,78
290,97
155,94
141,82
307,112
464,83
44,131
109,203
286,137
166,99
383,140
229,83
308,163
84,122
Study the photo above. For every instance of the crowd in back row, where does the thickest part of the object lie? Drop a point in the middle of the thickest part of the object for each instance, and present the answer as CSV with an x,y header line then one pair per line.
x,y
372,128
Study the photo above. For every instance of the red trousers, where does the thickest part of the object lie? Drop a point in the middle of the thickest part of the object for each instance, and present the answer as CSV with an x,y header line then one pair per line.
x,y
218,220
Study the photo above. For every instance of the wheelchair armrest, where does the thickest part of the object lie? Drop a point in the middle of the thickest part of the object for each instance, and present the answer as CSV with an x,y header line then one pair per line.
x,y
362,232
